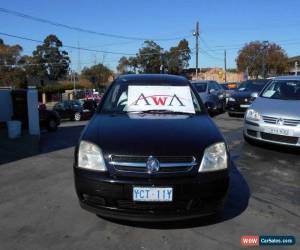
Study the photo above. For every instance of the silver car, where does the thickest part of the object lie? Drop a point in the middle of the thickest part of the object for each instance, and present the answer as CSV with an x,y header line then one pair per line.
x,y
274,116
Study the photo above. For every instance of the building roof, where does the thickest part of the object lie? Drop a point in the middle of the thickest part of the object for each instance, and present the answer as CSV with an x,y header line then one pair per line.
x,y
294,58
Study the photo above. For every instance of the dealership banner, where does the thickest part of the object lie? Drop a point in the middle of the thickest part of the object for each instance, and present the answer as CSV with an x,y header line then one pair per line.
x,y
173,98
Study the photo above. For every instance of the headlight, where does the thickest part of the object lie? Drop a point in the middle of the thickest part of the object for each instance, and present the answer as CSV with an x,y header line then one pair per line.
x,y
231,99
90,157
214,158
253,115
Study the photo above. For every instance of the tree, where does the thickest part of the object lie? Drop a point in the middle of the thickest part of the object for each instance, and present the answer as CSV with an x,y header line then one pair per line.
x,y
11,74
151,57
178,57
258,56
98,74
49,60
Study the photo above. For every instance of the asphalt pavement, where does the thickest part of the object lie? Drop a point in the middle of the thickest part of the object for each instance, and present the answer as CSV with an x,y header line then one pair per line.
x,y
39,207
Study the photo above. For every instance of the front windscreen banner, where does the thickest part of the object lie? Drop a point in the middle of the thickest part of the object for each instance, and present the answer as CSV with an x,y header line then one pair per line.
x,y
173,98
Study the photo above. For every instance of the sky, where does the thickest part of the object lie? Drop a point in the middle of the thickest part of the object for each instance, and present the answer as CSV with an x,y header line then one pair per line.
x,y
224,25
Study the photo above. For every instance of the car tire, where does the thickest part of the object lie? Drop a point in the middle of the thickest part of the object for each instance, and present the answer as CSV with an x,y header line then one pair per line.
x,y
231,114
77,116
52,125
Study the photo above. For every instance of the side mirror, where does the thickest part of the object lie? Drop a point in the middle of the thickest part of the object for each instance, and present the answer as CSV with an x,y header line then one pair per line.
x,y
211,91
254,95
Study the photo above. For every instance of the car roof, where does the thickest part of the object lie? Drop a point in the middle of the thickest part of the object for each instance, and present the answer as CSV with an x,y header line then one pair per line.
x,y
282,78
202,81
152,78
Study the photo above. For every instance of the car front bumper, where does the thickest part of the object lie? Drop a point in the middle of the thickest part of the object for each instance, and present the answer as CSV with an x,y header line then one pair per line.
x,y
195,196
236,107
260,131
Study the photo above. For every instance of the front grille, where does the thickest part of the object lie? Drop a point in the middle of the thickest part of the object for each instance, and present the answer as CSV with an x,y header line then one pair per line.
x,y
286,122
279,138
127,204
243,100
138,163
251,132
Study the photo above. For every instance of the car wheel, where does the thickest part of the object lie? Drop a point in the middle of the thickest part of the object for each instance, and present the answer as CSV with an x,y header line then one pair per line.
x,y
77,116
231,114
52,125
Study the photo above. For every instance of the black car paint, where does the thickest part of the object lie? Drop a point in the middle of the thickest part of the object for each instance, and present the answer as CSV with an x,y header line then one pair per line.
x,y
68,109
158,135
46,117
242,98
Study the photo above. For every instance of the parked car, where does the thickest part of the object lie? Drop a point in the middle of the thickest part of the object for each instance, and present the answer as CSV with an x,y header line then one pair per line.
x,y
228,91
274,116
73,110
240,100
151,153
212,95
48,118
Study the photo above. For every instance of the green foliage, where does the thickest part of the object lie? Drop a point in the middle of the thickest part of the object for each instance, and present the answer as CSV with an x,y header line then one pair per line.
x,y
178,57
254,54
10,57
151,57
48,60
98,74
56,87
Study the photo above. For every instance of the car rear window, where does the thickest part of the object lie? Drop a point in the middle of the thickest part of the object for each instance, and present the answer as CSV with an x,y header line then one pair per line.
x,y
200,87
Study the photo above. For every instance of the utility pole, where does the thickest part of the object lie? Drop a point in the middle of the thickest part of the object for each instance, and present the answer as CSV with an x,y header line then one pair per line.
x,y
265,50
225,65
196,34
296,68
161,61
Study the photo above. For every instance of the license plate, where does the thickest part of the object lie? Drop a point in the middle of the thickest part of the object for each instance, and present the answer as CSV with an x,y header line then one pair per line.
x,y
152,194
244,105
278,131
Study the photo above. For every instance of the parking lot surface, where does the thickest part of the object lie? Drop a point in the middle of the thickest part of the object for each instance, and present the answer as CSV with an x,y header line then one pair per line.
x,y
39,207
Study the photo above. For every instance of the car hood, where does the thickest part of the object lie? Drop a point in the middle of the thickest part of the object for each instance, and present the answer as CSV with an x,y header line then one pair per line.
x,y
152,134
279,108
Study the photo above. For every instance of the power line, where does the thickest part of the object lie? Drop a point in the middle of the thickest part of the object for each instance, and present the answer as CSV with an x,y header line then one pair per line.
x,y
41,20
82,48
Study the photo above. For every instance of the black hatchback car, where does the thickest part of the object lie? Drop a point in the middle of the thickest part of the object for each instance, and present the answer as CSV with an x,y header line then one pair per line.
x,y
159,157
241,98
73,110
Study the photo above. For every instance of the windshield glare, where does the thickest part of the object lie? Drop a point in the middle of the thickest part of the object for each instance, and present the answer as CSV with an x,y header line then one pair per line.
x,y
200,87
253,86
117,99
284,90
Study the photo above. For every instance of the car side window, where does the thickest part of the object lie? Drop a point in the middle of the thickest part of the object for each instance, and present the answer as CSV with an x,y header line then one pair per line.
x,y
216,86
58,105
67,105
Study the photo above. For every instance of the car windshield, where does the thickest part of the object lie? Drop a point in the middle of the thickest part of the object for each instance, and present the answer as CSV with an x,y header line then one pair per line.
x,y
284,90
224,86
143,97
200,86
252,85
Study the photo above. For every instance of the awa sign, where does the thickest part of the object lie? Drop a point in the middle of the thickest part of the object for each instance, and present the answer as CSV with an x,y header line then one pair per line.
x,y
173,98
